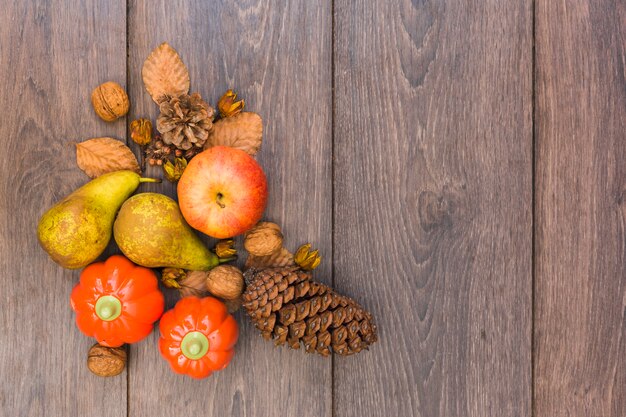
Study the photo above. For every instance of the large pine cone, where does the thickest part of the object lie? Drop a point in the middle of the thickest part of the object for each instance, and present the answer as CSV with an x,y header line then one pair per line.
x,y
287,306
185,121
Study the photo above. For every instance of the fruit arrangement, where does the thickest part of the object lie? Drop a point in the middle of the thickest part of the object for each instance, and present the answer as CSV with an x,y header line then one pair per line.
x,y
222,192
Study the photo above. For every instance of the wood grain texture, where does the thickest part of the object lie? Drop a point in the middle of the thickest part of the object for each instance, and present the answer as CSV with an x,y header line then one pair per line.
x,y
580,247
52,54
277,56
433,204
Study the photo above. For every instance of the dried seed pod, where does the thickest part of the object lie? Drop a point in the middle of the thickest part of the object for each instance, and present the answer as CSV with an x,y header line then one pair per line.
x,y
171,276
228,106
173,171
141,131
225,281
106,361
307,259
263,239
110,101
225,248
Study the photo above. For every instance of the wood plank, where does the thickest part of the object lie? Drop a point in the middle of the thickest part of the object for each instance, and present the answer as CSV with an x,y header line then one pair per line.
x,y
277,55
52,54
433,202
580,185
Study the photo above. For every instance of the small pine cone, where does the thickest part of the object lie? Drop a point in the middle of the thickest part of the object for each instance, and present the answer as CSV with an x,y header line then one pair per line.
x,y
288,307
280,258
185,121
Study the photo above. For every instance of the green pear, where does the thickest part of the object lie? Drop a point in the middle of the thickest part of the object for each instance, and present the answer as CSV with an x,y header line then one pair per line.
x,y
151,231
76,230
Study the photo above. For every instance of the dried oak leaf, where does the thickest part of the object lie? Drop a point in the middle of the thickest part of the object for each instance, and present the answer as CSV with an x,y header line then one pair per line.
x,y
164,73
243,131
101,155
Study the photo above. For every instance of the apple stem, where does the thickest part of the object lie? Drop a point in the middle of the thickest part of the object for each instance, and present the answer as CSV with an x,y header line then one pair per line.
x,y
218,200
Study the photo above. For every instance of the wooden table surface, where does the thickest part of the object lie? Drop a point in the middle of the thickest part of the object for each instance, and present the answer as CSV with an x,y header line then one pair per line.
x,y
460,164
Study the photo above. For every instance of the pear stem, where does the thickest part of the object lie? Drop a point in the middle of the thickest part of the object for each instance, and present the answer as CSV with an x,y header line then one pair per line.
x,y
224,260
149,179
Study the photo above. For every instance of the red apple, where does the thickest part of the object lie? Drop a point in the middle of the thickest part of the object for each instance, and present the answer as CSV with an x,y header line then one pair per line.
x,y
222,192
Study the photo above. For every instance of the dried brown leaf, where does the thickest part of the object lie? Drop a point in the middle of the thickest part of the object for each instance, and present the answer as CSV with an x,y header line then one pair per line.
x,y
280,258
101,155
164,73
243,131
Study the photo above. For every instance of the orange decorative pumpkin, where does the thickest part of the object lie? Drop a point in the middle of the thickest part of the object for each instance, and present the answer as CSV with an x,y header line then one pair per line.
x,y
197,336
117,302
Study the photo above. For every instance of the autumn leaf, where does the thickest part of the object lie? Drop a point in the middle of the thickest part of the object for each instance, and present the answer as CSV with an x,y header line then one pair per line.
x,y
164,73
101,155
243,131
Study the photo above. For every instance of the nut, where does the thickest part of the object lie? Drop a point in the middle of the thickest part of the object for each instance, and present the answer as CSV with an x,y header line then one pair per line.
x,y
263,239
194,283
106,361
225,281
110,101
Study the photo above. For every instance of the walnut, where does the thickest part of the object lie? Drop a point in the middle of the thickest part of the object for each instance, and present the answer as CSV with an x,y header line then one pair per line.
x,y
225,281
110,101
106,361
263,239
194,283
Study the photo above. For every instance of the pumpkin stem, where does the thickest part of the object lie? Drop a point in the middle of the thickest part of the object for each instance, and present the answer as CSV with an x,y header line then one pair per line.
x,y
108,308
194,345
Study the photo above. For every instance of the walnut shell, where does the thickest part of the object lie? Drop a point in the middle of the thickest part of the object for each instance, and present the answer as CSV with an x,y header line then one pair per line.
x,y
110,101
106,361
194,283
263,239
225,281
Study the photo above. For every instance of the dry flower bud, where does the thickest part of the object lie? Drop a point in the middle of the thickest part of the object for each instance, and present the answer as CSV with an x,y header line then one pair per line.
x,y
171,276
159,162
227,105
106,361
141,131
225,281
307,259
174,171
263,239
225,249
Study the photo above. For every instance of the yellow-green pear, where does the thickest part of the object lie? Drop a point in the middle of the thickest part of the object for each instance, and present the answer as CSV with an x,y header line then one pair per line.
x,y
76,230
151,231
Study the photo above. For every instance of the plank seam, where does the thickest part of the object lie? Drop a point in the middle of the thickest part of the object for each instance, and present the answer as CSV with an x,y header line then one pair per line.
x,y
332,188
534,209
128,349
